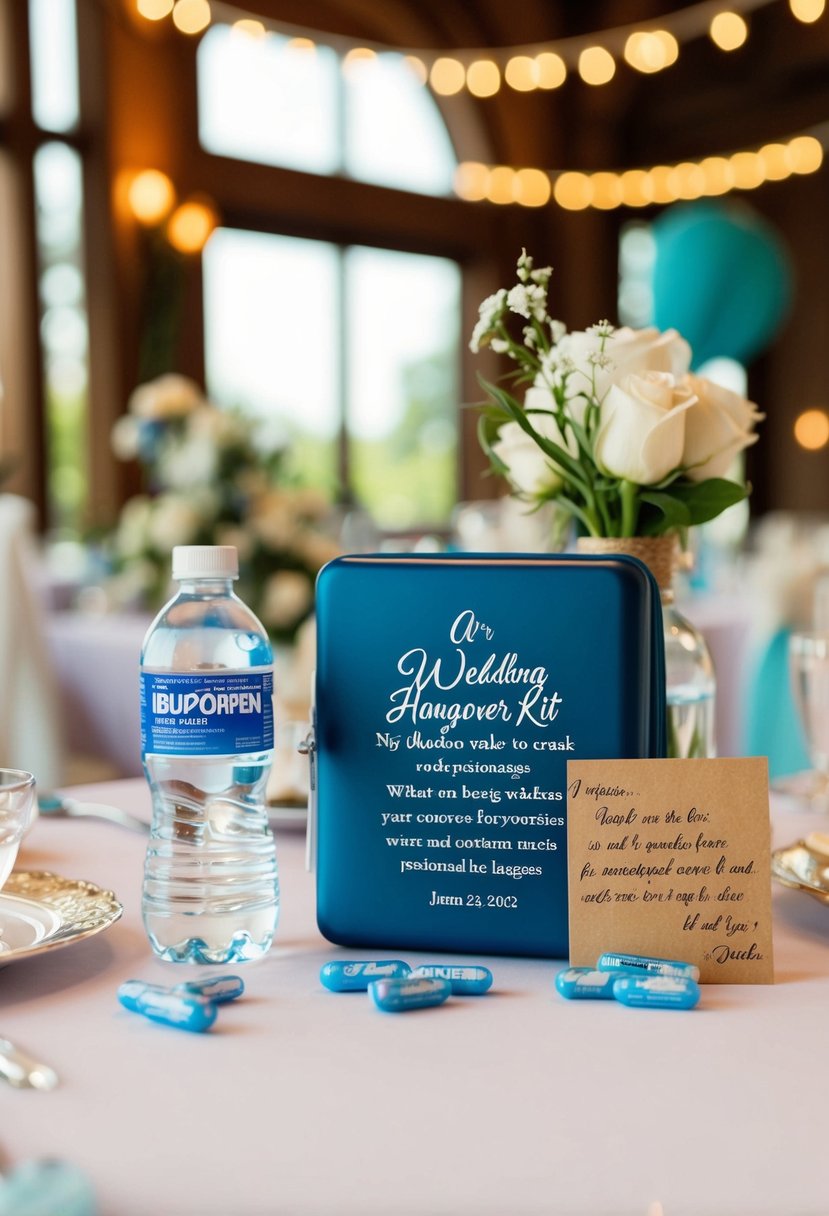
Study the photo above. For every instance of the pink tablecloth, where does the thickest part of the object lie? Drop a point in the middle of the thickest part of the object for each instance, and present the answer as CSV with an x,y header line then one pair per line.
x,y
304,1102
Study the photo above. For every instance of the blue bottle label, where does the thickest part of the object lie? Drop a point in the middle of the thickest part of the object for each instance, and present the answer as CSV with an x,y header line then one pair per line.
x,y
207,713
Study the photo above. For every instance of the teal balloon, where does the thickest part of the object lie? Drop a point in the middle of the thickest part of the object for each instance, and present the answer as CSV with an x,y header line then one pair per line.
x,y
722,277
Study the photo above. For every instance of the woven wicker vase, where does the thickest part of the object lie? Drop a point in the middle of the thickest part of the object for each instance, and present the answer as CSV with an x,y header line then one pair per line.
x,y
689,672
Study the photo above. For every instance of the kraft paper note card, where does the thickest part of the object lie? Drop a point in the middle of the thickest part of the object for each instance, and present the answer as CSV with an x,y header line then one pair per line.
x,y
671,859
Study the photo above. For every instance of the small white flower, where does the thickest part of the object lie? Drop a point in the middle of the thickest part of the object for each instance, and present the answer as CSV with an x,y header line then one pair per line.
x,y
524,266
600,359
602,329
542,276
557,331
530,337
499,346
490,312
528,300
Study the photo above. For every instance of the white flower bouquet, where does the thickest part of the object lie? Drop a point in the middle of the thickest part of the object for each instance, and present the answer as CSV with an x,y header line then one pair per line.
x,y
214,476
613,429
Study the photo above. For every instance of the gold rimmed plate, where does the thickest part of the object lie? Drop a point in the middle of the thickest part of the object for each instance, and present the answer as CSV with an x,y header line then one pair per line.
x,y
804,865
43,911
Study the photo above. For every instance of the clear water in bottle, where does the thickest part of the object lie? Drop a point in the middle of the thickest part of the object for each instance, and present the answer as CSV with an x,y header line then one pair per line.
x,y
211,892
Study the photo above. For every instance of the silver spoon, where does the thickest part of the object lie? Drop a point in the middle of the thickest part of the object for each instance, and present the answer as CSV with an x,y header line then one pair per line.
x,y
22,1071
53,806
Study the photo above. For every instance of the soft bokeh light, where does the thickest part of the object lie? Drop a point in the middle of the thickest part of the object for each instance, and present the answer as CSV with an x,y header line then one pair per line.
x,y
191,224
646,51
483,78
807,10
154,10
811,430
471,181
447,76
805,154
250,28
551,70
191,16
532,187
521,73
573,191
151,196
728,31
501,187
596,65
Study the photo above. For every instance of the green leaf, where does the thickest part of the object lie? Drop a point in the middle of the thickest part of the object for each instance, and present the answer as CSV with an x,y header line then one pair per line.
x,y
707,499
559,455
672,513
488,426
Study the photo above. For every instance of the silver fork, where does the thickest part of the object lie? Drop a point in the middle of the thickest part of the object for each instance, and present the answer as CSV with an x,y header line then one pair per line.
x,y
53,806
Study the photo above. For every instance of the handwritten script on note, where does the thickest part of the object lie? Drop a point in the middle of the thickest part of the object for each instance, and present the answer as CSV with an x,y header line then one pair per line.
x,y
671,858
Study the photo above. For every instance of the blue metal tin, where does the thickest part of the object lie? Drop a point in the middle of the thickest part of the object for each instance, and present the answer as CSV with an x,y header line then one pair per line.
x,y
450,693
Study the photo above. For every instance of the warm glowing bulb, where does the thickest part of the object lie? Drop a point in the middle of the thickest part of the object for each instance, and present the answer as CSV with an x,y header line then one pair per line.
x,y
521,74
447,76
483,78
661,177
687,180
417,66
718,174
775,160
646,52
302,45
607,190
532,187
356,59
596,65
805,154
811,430
190,225
637,188
807,10
501,186
249,27
191,16
670,46
471,181
728,31
154,10
573,191
151,195
748,170
550,70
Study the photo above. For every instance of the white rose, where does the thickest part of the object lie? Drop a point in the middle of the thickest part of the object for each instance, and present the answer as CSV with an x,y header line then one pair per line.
x,y
641,433
169,396
719,426
630,351
531,471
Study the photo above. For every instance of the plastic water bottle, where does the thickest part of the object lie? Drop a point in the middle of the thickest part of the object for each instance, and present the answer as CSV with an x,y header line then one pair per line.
x,y
211,892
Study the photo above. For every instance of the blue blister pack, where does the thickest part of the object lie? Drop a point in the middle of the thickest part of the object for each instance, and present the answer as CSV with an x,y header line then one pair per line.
x,y
450,693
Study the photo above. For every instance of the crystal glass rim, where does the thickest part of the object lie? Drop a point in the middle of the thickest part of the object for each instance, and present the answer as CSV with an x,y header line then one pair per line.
x,y
16,778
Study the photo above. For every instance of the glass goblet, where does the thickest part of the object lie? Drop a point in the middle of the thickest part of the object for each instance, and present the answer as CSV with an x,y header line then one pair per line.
x,y
809,670
17,809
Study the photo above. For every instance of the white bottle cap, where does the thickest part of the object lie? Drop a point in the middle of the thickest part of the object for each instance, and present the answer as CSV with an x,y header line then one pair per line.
x,y
205,561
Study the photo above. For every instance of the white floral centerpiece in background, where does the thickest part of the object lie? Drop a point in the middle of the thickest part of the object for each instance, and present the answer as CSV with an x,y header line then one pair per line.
x,y
627,445
214,476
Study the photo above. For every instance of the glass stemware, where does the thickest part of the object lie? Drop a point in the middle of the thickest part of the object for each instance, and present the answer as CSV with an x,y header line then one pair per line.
x,y
17,809
809,670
